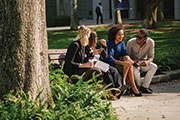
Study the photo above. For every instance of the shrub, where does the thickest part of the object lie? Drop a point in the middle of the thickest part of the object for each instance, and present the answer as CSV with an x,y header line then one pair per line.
x,y
80,101
53,21
21,107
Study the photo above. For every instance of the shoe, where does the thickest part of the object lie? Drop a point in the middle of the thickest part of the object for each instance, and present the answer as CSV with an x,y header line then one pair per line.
x,y
138,95
150,89
122,91
145,90
135,94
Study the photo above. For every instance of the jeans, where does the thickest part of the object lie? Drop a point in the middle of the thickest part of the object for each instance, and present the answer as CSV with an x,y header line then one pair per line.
x,y
150,71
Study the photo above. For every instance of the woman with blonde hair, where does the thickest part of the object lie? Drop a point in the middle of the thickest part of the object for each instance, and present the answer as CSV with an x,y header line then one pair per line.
x,y
76,62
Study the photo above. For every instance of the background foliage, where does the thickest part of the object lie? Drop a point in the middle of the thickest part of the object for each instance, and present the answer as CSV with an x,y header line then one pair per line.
x,y
166,37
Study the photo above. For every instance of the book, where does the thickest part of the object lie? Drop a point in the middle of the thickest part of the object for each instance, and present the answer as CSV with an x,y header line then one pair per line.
x,y
101,65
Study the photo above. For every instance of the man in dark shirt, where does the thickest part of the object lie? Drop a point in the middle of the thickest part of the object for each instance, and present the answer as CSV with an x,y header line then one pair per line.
x,y
99,12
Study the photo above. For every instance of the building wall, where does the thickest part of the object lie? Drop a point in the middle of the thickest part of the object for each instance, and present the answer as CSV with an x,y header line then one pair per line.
x,y
51,8
168,9
177,10
85,9
132,9
67,7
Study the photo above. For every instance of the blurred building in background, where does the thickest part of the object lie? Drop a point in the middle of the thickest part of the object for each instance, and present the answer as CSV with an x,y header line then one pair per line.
x,y
136,10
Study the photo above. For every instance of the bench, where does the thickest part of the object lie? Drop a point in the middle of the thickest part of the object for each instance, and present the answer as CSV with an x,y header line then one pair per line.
x,y
56,55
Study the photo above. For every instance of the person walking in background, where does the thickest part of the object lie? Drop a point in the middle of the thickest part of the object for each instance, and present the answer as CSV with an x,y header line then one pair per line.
x,y
138,48
99,13
76,62
117,56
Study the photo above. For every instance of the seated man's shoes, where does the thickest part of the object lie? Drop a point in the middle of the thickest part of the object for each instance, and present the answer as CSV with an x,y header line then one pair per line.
x,y
145,90
150,89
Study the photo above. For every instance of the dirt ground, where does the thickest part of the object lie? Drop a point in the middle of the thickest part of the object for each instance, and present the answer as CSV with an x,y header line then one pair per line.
x,y
163,104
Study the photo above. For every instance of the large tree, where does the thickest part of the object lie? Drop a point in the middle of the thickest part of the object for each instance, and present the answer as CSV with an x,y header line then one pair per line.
x,y
151,13
118,14
23,47
74,15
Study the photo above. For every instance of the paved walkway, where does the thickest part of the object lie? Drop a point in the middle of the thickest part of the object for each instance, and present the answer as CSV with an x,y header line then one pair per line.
x,y
163,104
91,23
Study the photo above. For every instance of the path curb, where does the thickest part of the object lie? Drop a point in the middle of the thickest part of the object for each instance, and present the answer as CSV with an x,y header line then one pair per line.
x,y
167,76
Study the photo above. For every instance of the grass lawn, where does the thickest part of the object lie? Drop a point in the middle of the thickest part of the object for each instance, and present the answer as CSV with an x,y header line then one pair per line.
x,y
166,37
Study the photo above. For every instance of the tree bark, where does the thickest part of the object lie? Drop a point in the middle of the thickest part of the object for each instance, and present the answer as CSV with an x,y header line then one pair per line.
x,y
23,47
151,13
118,18
74,15
118,14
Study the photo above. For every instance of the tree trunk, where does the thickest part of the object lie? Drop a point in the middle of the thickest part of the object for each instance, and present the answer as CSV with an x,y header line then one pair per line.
x,y
23,47
118,14
118,19
151,13
74,15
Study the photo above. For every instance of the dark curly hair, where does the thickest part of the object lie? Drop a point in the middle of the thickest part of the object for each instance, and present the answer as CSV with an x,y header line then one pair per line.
x,y
113,31
144,32
92,38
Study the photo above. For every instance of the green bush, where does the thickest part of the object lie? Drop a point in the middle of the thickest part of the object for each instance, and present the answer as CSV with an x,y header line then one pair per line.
x,y
21,107
54,21
80,101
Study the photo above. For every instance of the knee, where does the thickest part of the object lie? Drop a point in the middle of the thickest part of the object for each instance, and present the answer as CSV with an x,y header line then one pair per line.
x,y
154,67
126,58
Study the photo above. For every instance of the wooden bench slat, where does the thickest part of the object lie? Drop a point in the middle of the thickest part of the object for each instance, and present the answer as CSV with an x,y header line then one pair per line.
x,y
57,55
54,51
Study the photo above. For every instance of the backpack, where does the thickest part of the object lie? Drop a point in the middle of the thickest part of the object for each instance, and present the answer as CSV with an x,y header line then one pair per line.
x,y
98,10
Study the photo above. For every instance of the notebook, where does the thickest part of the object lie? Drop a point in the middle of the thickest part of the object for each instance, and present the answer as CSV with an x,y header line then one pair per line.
x,y
101,65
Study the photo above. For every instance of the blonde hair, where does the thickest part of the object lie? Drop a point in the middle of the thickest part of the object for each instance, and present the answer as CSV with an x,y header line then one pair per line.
x,y
83,35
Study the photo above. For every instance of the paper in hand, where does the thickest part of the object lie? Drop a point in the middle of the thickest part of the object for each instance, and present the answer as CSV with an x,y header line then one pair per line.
x,y
102,65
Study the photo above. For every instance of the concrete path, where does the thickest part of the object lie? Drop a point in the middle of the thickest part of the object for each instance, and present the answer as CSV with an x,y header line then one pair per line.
x,y
91,23
163,104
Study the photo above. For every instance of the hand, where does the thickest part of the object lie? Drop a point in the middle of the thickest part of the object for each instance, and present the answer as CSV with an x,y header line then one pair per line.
x,y
126,64
95,52
103,42
136,64
143,63
90,64
87,65
128,59
100,50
